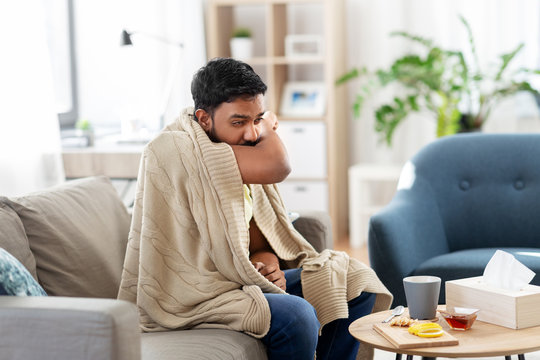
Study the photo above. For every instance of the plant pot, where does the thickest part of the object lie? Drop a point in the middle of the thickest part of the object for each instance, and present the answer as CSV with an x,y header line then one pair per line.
x,y
467,124
87,134
242,48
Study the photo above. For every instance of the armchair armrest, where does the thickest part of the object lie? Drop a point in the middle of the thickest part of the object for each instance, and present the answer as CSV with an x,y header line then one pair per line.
x,y
68,328
315,227
404,234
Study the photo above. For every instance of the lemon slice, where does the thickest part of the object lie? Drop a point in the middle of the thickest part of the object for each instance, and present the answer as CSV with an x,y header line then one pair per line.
x,y
426,330
430,333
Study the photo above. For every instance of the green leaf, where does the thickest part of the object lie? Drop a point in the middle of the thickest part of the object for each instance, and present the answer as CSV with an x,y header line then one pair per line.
x,y
506,59
478,77
385,77
513,88
354,73
529,71
357,106
365,89
83,124
463,69
471,41
413,103
241,32
389,116
419,39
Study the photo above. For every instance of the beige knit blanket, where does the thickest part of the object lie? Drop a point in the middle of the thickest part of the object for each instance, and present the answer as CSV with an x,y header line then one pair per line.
x,y
187,262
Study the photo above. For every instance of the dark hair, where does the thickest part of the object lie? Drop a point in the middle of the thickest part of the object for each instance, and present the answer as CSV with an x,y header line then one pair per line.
x,y
224,80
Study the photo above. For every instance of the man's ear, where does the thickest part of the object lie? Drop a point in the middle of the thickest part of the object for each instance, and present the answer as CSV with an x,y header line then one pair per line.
x,y
204,119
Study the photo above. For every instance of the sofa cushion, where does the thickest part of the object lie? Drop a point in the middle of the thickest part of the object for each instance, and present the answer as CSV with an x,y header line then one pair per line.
x,y
78,234
13,237
469,263
15,279
201,344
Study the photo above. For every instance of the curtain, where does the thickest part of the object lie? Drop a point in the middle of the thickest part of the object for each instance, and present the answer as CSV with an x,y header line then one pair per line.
x,y
30,148
185,21
498,27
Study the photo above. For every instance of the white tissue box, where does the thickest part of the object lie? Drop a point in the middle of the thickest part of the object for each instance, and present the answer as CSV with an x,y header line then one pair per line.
x,y
512,309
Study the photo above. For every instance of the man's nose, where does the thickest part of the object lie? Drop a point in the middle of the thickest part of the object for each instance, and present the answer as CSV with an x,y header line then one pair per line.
x,y
251,133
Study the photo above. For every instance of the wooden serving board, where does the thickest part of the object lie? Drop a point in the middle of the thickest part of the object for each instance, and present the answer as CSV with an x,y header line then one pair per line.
x,y
400,337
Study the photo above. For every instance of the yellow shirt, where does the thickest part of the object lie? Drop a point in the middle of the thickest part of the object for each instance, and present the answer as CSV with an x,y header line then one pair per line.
x,y
248,204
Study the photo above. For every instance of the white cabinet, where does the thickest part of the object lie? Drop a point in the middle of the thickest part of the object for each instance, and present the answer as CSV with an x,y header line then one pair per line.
x,y
306,145
362,178
305,195
306,188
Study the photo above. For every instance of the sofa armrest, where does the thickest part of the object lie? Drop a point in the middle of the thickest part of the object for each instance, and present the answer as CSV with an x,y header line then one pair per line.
x,y
315,227
68,328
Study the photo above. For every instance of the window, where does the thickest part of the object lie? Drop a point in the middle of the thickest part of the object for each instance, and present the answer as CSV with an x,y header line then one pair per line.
x,y
61,41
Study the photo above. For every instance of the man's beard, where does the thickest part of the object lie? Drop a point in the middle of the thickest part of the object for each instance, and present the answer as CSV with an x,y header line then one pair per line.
x,y
250,143
212,134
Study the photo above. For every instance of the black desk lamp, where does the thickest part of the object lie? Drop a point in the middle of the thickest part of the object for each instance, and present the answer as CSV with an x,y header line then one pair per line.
x,y
126,41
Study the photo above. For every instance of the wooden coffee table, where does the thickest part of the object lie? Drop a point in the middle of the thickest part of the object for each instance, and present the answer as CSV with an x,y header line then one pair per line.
x,y
482,340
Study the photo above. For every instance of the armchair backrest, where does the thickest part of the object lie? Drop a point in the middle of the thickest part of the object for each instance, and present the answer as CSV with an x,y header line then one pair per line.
x,y
486,186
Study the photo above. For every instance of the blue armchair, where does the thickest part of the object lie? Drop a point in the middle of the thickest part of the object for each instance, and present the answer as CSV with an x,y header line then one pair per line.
x,y
458,200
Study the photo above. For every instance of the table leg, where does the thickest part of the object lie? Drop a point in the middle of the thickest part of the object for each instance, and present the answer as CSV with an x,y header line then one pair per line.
x,y
520,357
398,356
409,357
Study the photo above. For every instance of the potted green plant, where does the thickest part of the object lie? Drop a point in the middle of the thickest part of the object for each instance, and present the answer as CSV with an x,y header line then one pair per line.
x,y
241,44
84,129
461,95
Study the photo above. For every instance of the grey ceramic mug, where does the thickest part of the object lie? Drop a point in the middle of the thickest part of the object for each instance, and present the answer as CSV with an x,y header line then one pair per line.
x,y
422,293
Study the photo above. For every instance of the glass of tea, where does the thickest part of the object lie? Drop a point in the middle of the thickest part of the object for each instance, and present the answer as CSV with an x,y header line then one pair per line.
x,y
459,318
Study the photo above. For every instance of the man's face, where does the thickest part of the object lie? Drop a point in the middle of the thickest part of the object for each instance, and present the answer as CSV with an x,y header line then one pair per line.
x,y
235,123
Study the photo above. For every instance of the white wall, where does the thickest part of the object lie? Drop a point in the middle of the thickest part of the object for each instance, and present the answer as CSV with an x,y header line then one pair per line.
x,y
498,26
127,83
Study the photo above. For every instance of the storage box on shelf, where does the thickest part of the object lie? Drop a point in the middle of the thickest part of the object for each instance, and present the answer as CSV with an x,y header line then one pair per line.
x,y
317,145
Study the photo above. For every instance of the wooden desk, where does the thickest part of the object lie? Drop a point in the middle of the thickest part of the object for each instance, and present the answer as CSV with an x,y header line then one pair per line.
x,y
118,161
482,340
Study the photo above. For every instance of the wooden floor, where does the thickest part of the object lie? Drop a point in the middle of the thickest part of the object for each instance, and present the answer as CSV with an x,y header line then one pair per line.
x,y
357,253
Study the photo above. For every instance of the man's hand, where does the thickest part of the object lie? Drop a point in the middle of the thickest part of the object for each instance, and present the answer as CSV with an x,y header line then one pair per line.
x,y
272,273
263,257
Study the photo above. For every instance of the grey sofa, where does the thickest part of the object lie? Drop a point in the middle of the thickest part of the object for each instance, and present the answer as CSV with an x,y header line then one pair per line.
x,y
72,239
460,198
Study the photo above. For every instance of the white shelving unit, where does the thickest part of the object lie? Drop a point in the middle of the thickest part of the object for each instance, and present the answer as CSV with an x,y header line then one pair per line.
x,y
317,146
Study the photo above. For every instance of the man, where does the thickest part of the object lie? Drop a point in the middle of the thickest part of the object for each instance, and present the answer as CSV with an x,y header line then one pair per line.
x,y
213,257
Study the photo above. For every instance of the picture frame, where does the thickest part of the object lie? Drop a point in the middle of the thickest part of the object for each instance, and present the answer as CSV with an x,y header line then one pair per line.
x,y
303,99
303,45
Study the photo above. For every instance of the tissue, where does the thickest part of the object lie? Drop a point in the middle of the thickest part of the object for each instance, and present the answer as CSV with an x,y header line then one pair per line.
x,y
506,272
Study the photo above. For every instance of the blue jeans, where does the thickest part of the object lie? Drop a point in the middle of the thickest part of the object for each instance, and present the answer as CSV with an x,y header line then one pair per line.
x,y
294,328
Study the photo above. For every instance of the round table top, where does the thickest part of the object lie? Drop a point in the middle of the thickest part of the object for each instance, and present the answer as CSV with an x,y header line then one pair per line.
x,y
481,340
